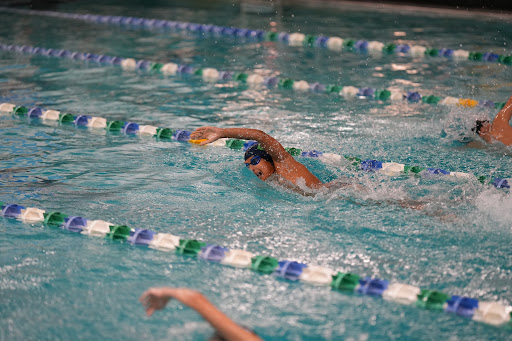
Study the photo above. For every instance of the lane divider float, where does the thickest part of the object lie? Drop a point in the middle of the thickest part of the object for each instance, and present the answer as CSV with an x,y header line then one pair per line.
x,y
131,128
295,39
493,313
255,80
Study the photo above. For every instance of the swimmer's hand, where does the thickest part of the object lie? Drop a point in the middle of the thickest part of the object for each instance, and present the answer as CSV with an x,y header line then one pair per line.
x,y
157,298
211,134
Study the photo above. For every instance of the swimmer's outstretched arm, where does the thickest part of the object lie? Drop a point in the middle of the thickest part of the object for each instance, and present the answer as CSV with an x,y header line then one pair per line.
x,y
157,298
270,144
501,129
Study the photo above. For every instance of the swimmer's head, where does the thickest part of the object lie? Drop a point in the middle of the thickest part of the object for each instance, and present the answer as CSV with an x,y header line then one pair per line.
x,y
259,162
481,127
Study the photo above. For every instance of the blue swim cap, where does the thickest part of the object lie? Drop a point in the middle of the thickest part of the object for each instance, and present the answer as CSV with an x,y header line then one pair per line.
x,y
255,151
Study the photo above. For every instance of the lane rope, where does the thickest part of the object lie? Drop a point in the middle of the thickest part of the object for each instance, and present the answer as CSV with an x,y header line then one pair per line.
x,y
493,313
53,117
255,80
295,39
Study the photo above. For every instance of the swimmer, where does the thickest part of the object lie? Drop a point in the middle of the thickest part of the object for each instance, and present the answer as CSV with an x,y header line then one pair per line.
x,y
266,158
499,130
269,160
225,329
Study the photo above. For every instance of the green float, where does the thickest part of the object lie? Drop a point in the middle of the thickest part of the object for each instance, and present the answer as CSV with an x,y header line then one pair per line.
x,y
345,281
383,95
54,218
119,232
413,169
190,247
164,133
286,83
20,111
66,118
235,144
264,264
294,151
115,125
432,299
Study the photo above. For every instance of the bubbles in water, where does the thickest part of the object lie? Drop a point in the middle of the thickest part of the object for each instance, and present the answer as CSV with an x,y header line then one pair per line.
x,y
459,122
495,205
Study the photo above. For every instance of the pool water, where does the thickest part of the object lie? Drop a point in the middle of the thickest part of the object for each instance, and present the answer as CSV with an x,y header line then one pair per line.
x,y
60,285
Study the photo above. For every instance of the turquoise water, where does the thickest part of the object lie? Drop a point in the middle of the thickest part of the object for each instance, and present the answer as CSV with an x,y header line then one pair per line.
x,y
59,285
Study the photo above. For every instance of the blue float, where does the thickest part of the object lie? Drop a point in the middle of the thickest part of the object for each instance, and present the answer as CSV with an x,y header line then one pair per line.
x,y
283,37
462,306
82,120
311,153
141,237
490,57
486,104
371,165
366,92
402,48
290,270
142,64
181,135
35,113
372,286
12,210
413,97
317,87
130,128
213,253
321,41
500,183
74,224
448,53
437,171
271,81
226,75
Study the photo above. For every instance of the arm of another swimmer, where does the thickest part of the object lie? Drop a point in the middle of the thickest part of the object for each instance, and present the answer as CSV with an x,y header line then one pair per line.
x,y
223,324
501,129
156,298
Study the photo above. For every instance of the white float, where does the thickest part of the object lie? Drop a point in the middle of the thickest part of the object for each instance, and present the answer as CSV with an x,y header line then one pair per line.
x,y
51,115
301,86
164,242
32,215
401,293
7,107
169,69
296,39
147,130
210,75
97,228
349,92
238,258
97,122
417,51
128,64
334,43
316,275
493,313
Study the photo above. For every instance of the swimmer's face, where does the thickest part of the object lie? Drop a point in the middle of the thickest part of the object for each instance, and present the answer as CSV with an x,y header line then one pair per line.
x,y
262,170
485,130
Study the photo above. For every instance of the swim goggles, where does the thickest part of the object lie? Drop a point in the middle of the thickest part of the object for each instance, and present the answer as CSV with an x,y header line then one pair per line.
x,y
254,161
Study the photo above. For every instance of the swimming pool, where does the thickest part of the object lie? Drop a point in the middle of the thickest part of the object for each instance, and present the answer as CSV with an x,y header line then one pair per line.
x,y
62,285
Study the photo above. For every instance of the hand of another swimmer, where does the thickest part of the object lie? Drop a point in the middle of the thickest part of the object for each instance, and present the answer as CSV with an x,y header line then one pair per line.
x,y
154,299
157,298
211,134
